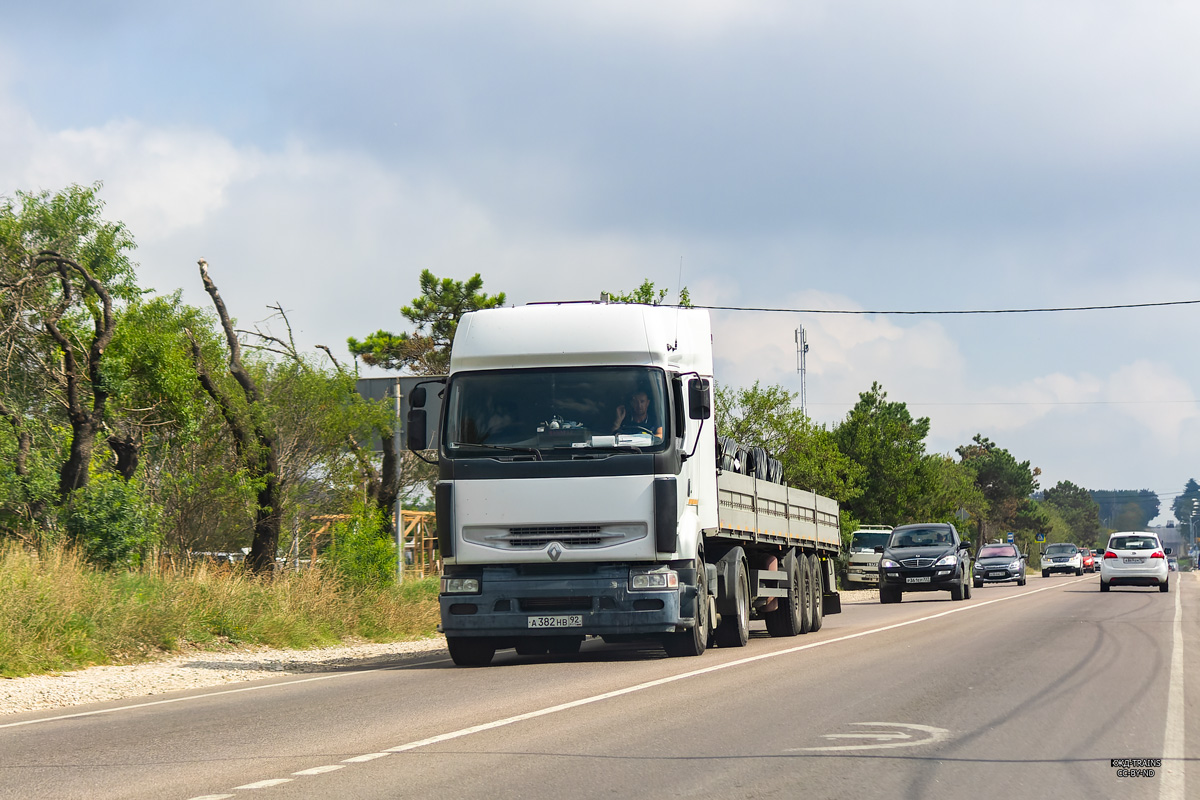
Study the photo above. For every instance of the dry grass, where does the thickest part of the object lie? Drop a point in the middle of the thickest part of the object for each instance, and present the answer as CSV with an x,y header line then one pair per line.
x,y
58,613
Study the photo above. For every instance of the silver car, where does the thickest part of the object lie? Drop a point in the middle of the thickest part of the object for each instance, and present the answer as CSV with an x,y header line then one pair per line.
x,y
1135,558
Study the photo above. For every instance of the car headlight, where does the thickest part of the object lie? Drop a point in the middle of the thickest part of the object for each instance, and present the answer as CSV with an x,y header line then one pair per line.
x,y
460,585
887,563
1015,565
978,567
650,578
947,561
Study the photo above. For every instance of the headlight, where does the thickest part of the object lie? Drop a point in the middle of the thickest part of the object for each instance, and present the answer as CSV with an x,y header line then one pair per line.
x,y
978,567
947,561
887,563
460,585
1016,565
644,578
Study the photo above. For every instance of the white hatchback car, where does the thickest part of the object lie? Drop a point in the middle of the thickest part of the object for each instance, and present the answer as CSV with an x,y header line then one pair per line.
x,y
1134,558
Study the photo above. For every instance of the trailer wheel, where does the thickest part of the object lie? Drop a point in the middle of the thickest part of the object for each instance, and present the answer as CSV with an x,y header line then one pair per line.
x,y
469,651
795,616
818,592
734,630
692,641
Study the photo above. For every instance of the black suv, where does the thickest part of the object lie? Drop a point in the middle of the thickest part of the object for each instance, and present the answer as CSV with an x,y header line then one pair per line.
x,y
927,557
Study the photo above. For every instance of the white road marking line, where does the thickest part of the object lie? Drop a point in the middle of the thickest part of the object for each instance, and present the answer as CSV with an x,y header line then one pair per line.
x,y
267,784
1172,785
218,694
212,797
362,759
320,770
500,723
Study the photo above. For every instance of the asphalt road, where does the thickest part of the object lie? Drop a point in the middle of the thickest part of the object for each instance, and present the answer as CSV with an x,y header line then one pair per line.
x,y
1019,692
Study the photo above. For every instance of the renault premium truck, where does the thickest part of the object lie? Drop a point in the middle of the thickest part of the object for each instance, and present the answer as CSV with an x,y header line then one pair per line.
x,y
579,491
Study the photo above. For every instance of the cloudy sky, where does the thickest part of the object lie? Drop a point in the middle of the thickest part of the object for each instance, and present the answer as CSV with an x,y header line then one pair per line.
x,y
818,154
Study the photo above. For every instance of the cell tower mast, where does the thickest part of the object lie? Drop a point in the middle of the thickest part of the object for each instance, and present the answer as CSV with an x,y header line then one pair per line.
x,y
802,367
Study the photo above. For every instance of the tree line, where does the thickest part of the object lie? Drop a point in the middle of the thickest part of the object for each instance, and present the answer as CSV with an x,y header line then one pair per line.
x,y
132,423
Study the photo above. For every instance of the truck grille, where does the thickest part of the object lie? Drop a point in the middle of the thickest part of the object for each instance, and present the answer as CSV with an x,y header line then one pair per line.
x,y
566,535
537,537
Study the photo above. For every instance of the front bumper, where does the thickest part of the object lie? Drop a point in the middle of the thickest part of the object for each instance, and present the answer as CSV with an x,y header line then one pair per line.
x,y
998,574
1069,566
932,579
600,598
863,574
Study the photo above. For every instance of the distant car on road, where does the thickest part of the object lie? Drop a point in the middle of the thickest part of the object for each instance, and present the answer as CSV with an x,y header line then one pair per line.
x,y
1172,564
1088,559
997,563
926,557
1061,557
1135,558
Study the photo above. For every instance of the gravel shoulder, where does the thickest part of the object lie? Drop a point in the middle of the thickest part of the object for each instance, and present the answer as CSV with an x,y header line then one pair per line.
x,y
200,669
195,670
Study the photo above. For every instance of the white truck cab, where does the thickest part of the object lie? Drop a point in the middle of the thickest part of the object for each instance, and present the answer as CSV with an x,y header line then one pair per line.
x,y
862,569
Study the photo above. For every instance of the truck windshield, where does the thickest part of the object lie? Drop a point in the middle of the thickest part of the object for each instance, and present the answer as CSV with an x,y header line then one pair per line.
x,y
551,413
867,542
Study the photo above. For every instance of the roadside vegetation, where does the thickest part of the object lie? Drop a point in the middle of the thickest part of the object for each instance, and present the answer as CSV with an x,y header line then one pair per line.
x,y
140,435
61,612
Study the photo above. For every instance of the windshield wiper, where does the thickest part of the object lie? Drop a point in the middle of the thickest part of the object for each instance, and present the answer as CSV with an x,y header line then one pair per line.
x,y
607,448
537,454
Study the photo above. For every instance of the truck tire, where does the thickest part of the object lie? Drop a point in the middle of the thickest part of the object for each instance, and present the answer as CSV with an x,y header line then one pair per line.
x,y
470,651
818,592
794,616
693,641
734,630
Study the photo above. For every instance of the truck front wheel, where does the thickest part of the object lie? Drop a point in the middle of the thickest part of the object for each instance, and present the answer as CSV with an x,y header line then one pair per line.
x,y
470,651
692,641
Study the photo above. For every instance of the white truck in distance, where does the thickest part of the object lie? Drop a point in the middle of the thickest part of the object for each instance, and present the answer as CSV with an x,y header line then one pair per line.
x,y
863,567
579,492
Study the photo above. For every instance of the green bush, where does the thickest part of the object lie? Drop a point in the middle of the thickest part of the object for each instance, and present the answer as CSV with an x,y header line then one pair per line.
x,y
111,522
363,553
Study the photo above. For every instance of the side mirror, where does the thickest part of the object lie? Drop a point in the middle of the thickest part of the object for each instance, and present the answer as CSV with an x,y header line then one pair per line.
x,y
964,545
1167,550
416,399
699,404
416,425
1025,556
879,549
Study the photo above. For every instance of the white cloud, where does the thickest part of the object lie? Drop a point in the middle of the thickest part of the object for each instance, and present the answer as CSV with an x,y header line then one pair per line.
x,y
1155,397
158,181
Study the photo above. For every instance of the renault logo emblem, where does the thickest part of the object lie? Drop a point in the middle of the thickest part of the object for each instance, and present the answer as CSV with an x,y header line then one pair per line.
x,y
554,551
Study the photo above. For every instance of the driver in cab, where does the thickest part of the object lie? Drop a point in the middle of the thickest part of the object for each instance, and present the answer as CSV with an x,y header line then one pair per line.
x,y
637,418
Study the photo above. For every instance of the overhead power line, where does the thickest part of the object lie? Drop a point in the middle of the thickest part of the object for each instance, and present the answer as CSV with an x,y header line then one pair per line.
x,y
948,312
